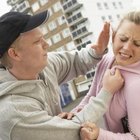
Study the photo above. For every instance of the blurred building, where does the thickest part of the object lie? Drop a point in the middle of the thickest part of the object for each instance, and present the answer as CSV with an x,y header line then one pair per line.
x,y
72,25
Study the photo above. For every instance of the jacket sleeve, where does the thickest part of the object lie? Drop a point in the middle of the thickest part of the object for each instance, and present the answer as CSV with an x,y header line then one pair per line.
x,y
107,135
70,64
91,92
40,126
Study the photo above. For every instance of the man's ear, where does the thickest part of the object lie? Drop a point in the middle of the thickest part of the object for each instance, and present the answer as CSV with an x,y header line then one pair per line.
x,y
12,52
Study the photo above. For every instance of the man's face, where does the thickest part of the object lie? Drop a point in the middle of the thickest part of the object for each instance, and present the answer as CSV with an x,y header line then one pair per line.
x,y
126,43
33,50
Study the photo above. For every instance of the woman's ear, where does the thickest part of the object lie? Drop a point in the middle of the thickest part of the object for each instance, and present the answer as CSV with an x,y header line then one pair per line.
x,y
113,34
12,52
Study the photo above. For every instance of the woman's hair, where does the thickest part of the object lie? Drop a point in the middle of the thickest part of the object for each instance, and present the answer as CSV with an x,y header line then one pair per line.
x,y
133,16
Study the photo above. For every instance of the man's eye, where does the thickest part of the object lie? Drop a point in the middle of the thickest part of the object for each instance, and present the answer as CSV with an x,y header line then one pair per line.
x,y
37,41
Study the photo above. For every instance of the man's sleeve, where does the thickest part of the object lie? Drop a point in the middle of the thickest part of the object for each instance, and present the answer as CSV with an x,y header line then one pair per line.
x,y
40,126
67,65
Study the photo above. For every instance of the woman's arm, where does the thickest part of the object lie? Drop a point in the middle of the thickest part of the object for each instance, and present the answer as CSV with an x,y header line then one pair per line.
x,y
89,131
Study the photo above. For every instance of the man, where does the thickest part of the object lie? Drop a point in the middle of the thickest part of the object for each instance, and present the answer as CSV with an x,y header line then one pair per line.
x,y
30,79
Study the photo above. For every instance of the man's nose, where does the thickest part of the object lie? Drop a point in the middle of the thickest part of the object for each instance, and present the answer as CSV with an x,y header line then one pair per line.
x,y
44,43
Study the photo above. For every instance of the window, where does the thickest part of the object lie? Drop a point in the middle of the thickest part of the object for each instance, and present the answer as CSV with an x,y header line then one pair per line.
x,y
69,20
88,75
103,18
78,41
35,6
110,18
61,20
62,48
22,7
92,73
118,16
79,15
57,7
43,2
70,4
99,6
66,32
65,6
52,25
44,29
50,11
84,29
106,5
74,27
74,34
49,42
88,42
84,45
79,48
79,31
74,1
114,5
56,38
120,3
64,1
74,17
70,46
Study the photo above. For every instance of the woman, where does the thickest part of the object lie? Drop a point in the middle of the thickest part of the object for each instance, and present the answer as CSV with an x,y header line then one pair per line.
x,y
126,48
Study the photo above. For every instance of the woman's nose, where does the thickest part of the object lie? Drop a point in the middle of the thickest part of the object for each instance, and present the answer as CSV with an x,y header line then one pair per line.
x,y
127,45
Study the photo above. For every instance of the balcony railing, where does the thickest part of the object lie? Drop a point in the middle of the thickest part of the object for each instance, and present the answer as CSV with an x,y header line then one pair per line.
x,y
74,17
22,7
71,5
13,2
79,31
76,21
83,45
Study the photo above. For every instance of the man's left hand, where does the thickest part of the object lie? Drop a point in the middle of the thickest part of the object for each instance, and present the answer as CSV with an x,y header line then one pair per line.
x,y
89,131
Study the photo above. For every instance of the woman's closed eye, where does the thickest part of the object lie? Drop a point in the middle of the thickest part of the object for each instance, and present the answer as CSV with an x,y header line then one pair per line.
x,y
123,39
136,43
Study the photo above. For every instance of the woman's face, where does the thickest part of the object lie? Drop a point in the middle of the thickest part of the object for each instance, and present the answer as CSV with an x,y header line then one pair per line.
x,y
126,43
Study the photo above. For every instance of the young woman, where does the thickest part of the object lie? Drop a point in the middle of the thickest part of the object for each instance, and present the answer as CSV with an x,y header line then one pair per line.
x,y
126,48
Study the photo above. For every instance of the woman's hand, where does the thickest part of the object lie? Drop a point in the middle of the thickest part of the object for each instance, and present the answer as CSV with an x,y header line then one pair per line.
x,y
112,82
89,131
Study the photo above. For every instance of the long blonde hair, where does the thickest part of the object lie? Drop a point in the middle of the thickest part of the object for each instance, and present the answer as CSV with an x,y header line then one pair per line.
x,y
133,16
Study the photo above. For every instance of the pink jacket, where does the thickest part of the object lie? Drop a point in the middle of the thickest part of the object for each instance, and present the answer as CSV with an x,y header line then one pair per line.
x,y
125,102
